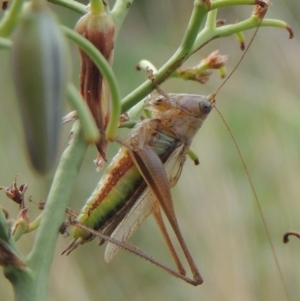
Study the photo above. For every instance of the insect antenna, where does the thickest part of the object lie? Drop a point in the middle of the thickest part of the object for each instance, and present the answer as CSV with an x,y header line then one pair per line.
x,y
239,61
212,97
212,100
258,204
151,77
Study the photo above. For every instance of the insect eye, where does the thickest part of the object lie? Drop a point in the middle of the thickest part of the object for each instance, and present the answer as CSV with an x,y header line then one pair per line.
x,y
205,107
158,100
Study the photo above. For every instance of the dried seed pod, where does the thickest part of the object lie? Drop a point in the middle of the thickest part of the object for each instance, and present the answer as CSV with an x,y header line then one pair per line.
x,y
99,29
40,76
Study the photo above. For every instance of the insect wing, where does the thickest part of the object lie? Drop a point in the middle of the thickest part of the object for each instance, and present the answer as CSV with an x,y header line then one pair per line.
x,y
144,206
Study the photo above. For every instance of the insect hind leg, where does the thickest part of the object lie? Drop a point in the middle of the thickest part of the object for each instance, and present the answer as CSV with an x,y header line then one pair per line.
x,y
160,222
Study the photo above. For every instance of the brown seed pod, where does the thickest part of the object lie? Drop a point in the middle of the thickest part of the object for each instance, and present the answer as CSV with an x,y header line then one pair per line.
x,y
99,29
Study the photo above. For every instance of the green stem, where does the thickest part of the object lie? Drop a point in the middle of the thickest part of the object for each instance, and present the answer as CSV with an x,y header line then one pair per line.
x,y
182,53
21,227
228,30
224,3
119,13
135,112
72,5
190,45
34,225
211,20
5,43
41,255
107,72
11,18
15,269
90,131
193,156
208,34
23,283
96,6
241,39
144,64
278,24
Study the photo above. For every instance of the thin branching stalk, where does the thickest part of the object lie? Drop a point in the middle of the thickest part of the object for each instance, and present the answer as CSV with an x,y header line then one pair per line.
x,y
10,19
41,255
89,127
72,5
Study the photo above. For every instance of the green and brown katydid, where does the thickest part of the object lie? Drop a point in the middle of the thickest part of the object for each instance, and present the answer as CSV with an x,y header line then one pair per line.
x,y
138,180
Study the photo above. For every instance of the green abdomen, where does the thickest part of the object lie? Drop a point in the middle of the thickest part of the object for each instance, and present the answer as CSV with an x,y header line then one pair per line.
x,y
119,188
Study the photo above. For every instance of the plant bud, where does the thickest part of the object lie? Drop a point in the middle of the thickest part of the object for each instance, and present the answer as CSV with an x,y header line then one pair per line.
x,y
99,29
40,77
201,73
21,225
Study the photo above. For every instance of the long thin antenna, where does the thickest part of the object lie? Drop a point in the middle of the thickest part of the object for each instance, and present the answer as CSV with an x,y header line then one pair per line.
x,y
239,62
257,203
260,12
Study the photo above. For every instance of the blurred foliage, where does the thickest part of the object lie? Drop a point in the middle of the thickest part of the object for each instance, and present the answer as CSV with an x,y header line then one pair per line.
x,y
213,201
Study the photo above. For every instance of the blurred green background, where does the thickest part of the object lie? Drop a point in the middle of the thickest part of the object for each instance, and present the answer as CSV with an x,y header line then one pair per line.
x,y
214,204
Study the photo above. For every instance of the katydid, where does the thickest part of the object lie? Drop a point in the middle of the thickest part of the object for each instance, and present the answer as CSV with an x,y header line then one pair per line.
x,y
138,180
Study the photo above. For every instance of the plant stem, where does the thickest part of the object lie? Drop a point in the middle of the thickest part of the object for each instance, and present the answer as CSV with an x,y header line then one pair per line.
x,y
211,20
34,225
191,44
224,3
5,43
119,13
41,255
90,131
10,19
23,283
199,12
72,5
96,6
278,24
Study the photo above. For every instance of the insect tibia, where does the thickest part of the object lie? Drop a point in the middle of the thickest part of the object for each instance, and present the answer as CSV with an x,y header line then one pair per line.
x,y
160,222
